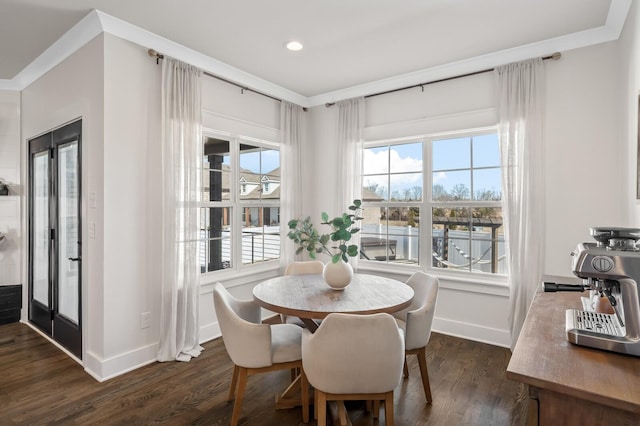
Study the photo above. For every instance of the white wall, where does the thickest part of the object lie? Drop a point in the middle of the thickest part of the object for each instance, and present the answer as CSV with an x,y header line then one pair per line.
x,y
10,206
131,205
586,173
71,90
629,77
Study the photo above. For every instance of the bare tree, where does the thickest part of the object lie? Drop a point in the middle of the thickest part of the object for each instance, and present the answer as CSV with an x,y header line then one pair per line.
x,y
460,192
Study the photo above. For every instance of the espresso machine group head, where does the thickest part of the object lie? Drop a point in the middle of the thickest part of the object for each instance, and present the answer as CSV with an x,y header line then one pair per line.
x,y
610,267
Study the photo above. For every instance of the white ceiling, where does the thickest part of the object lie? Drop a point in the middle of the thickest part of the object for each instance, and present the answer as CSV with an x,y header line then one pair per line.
x,y
352,47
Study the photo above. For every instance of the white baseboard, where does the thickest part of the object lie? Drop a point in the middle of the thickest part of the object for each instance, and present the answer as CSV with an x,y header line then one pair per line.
x,y
107,369
209,332
492,336
103,370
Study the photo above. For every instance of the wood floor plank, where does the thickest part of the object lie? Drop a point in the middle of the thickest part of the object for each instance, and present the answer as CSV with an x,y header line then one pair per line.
x,y
40,385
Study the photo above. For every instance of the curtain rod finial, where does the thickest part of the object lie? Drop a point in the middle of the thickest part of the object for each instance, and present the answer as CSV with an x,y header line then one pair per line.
x,y
556,56
152,52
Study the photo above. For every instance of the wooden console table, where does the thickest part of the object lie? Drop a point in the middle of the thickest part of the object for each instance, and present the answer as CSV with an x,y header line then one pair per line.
x,y
570,384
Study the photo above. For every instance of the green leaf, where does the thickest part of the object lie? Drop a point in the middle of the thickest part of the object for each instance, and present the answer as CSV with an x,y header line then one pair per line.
x,y
335,258
299,250
325,217
342,234
355,230
357,203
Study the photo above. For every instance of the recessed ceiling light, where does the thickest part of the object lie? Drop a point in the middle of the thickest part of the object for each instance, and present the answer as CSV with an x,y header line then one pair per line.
x,y
293,45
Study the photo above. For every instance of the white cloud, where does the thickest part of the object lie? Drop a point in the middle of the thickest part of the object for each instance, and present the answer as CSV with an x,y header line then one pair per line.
x,y
407,164
375,162
439,177
378,162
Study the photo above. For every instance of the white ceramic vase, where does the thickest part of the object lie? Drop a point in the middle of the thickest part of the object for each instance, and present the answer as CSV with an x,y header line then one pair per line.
x,y
337,275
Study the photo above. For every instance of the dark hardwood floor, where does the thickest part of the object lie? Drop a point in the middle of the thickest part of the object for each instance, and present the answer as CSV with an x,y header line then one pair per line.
x,y
39,384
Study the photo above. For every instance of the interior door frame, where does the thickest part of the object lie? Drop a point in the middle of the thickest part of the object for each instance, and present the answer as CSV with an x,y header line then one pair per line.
x,y
48,318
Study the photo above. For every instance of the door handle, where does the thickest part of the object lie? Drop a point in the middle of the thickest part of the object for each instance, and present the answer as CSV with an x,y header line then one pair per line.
x,y
74,259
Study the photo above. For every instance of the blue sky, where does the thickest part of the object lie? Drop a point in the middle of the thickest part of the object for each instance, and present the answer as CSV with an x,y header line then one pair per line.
x,y
447,155
251,160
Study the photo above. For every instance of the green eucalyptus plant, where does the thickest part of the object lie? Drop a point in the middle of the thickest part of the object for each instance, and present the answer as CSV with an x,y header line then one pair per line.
x,y
335,243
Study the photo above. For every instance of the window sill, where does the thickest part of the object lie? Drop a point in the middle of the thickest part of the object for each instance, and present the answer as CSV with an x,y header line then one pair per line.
x,y
233,277
476,283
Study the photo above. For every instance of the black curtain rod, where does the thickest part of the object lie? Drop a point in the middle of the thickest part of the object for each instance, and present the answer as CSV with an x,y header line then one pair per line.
x,y
554,56
159,56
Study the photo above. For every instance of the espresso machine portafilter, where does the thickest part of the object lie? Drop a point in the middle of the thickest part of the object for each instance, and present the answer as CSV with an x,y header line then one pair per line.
x,y
611,267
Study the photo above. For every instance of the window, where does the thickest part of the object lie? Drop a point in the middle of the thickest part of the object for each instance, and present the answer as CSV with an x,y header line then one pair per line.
x,y
241,221
461,206
392,196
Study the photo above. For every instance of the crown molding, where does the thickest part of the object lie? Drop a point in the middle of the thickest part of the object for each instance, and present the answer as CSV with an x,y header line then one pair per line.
x,y
79,35
127,31
97,22
612,29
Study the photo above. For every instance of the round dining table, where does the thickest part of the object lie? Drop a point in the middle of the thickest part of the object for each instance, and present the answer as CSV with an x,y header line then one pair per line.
x,y
309,298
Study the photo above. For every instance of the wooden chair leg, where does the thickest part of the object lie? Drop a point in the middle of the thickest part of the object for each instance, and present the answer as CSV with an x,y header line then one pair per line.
x,y
234,381
376,409
369,405
315,404
388,408
237,406
405,369
321,401
304,384
422,362
342,413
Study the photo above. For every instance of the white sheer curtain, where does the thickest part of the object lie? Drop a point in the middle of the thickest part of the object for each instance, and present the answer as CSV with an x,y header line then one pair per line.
x,y
520,99
181,185
291,131
350,137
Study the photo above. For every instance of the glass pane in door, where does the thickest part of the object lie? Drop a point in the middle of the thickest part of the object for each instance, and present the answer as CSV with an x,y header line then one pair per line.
x,y
41,227
68,231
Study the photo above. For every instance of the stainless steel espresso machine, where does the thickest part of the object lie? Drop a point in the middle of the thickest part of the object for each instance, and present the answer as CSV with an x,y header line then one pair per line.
x,y
609,267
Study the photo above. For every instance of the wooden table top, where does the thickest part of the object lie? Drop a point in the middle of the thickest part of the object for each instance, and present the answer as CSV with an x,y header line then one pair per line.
x,y
308,296
545,359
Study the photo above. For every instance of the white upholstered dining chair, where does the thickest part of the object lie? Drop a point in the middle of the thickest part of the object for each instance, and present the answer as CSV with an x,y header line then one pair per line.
x,y
353,357
301,268
304,267
416,321
256,348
